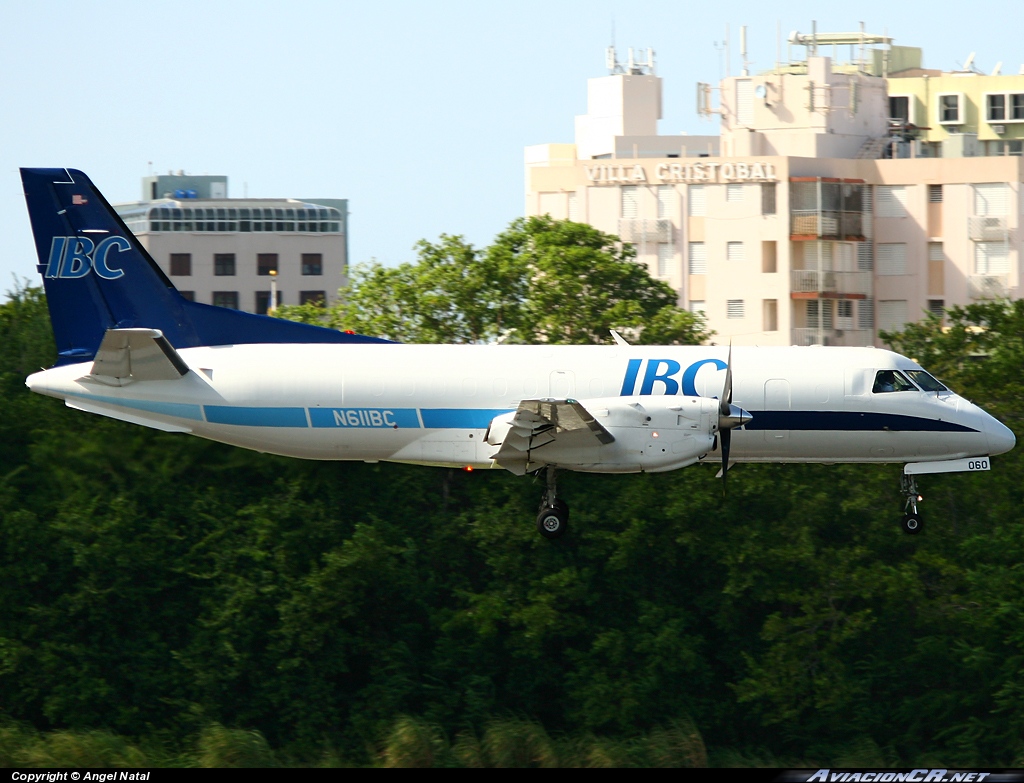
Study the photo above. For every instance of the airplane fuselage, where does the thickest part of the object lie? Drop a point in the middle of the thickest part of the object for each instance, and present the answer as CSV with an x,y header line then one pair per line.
x,y
433,404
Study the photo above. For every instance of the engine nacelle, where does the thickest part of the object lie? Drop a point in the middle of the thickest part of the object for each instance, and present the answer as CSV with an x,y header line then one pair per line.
x,y
652,434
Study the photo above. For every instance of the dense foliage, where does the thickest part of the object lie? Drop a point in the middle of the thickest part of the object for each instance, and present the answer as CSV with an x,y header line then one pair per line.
x,y
540,281
171,598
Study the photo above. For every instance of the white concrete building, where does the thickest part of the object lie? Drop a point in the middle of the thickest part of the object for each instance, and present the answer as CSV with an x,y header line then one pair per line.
x,y
223,251
790,227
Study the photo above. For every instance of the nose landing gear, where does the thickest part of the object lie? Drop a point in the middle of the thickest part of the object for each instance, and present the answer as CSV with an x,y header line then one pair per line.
x,y
553,519
912,522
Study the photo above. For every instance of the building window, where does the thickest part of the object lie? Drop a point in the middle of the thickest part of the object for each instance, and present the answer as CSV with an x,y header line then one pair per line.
x,y
891,201
937,308
767,198
263,301
181,264
935,194
266,263
666,201
312,264
892,314
991,258
733,193
769,256
574,210
844,314
949,108
865,256
665,259
698,259
698,201
313,297
734,251
734,308
228,299
991,199
189,295
935,252
899,108
1004,107
995,108
892,258
866,314
698,306
224,264
771,315
824,306
629,195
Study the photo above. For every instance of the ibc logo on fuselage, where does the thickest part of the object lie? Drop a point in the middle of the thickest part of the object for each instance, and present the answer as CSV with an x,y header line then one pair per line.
x,y
73,257
660,376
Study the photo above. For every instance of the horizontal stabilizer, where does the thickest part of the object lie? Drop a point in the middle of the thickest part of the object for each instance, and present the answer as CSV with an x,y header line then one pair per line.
x,y
127,355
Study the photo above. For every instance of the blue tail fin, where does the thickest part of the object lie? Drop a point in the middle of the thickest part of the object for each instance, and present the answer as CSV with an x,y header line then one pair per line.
x,y
98,277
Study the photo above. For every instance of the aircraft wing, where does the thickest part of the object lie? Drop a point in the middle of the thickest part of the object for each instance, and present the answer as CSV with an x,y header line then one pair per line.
x,y
127,355
536,423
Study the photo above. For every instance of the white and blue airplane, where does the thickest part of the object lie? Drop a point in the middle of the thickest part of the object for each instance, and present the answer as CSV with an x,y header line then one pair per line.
x,y
132,348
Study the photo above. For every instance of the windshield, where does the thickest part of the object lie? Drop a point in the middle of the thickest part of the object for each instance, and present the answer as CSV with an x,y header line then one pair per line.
x,y
891,381
925,381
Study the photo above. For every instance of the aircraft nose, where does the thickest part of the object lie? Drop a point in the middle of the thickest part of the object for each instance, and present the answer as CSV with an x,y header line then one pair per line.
x,y
1000,437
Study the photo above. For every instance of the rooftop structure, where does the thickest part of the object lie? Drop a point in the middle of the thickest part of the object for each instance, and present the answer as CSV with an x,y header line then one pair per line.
x,y
225,251
823,212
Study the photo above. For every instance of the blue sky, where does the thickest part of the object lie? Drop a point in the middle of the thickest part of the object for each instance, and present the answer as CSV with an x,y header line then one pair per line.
x,y
416,112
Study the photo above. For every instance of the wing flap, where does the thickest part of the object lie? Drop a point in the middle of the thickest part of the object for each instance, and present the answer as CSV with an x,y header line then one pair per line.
x,y
537,423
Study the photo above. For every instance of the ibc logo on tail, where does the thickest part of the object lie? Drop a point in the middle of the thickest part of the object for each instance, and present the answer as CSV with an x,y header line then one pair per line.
x,y
73,257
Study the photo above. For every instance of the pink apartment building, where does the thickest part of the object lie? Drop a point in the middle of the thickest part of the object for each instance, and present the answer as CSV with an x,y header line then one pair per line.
x,y
818,215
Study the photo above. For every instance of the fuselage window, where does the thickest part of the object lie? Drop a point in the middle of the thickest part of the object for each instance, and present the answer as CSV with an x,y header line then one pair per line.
x,y
891,381
925,381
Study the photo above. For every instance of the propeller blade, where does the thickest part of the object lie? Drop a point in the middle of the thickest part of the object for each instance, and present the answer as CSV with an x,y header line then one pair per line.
x,y
725,420
726,400
726,444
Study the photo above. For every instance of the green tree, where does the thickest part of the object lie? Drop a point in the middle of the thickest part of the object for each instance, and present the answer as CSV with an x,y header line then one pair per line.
x,y
541,281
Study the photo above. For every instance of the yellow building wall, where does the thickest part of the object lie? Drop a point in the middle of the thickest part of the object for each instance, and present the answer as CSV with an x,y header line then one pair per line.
x,y
974,87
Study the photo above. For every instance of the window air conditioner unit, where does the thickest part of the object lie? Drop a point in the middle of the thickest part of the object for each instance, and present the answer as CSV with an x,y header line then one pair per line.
x,y
1000,129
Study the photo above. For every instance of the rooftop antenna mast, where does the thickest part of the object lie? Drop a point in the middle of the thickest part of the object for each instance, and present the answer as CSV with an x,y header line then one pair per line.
x,y
743,51
728,63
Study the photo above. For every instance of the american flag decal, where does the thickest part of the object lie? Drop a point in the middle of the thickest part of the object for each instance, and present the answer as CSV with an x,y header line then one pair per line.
x,y
79,200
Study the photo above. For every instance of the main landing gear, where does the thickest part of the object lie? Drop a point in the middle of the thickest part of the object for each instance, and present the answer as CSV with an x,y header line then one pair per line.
x,y
553,519
912,522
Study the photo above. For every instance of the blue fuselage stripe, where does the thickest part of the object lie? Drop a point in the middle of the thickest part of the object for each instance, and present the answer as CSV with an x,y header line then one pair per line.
x,y
460,418
180,410
256,417
480,418
844,421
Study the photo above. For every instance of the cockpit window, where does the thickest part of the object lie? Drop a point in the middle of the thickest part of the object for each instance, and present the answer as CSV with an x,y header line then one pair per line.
x,y
891,381
925,381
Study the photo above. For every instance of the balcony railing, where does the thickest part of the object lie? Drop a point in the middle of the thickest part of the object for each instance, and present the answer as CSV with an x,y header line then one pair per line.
x,y
987,229
846,337
988,286
642,231
826,224
829,282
